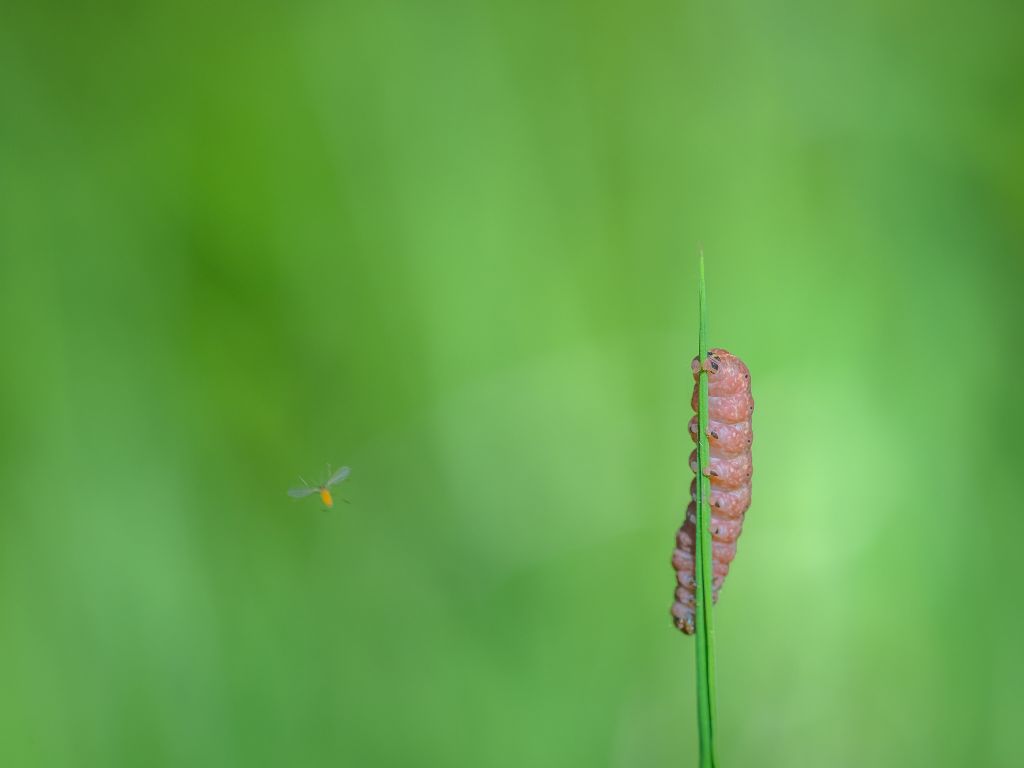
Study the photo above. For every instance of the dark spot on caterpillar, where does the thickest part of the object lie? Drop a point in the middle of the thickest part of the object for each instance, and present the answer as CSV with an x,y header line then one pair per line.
x,y
714,435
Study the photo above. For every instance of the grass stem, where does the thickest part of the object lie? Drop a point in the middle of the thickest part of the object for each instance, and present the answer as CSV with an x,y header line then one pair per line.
x,y
703,561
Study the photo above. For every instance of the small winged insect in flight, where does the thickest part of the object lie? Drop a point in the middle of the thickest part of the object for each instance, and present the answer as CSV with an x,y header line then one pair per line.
x,y
325,494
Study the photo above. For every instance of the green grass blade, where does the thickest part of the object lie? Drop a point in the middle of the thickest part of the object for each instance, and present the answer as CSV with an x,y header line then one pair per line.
x,y
703,564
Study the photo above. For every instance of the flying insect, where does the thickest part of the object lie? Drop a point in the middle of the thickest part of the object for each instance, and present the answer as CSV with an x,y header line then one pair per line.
x,y
323,490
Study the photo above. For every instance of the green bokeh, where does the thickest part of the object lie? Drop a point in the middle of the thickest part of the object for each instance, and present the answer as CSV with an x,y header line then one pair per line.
x,y
454,245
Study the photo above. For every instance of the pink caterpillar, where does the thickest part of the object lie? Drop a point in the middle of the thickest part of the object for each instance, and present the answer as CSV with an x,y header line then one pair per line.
x,y
730,407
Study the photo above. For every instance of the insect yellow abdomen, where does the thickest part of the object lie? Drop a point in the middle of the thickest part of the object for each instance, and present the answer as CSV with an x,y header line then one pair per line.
x,y
325,497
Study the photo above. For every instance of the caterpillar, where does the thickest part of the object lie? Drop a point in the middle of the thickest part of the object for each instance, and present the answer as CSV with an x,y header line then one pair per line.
x,y
730,407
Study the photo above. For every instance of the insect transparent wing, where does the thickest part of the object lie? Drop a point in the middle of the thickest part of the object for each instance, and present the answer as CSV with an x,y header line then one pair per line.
x,y
299,493
338,476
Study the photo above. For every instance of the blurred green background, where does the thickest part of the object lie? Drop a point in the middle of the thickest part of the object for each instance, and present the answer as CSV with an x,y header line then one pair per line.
x,y
453,245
